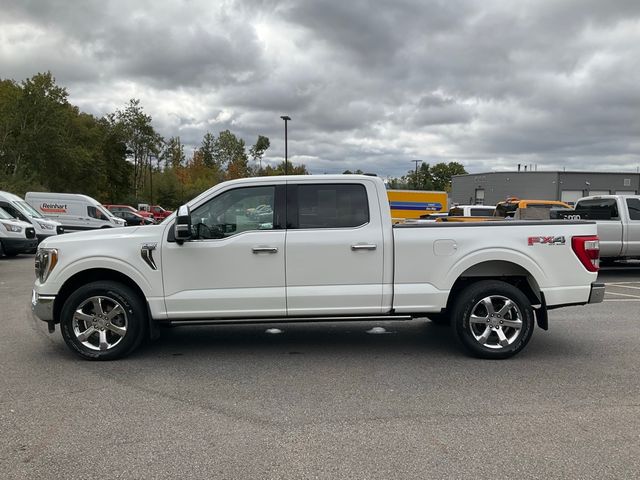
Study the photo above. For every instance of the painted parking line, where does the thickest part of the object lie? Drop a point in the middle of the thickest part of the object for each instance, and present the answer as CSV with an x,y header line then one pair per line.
x,y
623,294
631,292
623,286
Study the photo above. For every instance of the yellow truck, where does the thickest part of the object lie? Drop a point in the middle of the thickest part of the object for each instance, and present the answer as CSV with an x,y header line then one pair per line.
x,y
407,204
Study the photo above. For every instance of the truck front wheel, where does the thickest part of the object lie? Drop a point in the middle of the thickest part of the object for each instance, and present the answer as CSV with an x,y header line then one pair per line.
x,y
493,319
103,321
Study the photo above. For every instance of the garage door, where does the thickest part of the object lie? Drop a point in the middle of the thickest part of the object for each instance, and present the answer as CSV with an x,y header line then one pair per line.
x,y
571,196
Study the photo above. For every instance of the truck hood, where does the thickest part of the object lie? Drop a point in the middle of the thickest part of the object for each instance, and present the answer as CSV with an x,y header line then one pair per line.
x,y
150,233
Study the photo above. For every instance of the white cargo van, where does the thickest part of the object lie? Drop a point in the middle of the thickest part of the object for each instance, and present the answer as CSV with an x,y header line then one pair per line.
x,y
18,208
73,211
16,236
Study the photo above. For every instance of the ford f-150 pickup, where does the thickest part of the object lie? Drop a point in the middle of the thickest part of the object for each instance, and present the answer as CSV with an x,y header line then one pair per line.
x,y
324,250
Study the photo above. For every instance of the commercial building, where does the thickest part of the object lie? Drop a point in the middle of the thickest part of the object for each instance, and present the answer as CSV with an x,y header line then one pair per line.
x,y
492,187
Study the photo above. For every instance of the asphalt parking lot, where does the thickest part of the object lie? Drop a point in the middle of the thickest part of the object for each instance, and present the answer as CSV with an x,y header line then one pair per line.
x,y
324,400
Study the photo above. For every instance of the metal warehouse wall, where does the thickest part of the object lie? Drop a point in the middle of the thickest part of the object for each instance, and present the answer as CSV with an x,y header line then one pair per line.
x,y
606,182
567,186
497,186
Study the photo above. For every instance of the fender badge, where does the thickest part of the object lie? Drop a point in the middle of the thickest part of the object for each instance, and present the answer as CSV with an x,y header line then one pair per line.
x,y
546,240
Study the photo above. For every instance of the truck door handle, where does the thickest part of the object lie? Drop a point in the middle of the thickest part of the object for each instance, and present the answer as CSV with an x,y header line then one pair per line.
x,y
264,250
363,246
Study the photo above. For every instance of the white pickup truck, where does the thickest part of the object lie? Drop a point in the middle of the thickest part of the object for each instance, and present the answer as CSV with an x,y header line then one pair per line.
x,y
324,250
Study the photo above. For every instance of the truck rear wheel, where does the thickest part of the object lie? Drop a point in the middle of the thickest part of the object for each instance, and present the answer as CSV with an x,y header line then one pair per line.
x,y
493,319
103,321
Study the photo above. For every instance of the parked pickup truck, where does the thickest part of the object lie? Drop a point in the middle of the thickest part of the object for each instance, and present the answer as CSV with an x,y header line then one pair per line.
x,y
328,252
618,220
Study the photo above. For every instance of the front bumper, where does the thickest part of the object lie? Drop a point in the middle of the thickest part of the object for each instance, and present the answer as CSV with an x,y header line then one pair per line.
x,y
597,293
19,245
42,306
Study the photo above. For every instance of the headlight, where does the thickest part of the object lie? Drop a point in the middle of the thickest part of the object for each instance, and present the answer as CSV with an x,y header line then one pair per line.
x,y
46,260
46,226
11,227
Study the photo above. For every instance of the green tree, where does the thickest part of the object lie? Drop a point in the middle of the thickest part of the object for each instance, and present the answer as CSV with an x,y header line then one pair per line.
x,y
173,153
291,169
420,180
442,174
141,139
39,128
207,149
257,150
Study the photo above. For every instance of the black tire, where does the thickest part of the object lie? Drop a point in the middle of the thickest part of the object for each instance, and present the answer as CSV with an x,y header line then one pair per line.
x,y
11,253
502,341
440,318
132,321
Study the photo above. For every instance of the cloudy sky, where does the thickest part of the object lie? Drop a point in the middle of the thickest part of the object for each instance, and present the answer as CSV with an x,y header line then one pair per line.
x,y
369,85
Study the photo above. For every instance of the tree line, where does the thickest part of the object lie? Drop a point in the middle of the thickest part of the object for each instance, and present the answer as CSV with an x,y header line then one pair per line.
x,y
48,144
437,177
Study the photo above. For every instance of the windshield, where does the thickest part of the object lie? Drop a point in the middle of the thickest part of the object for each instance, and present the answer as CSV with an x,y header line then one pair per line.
x,y
107,213
4,215
28,210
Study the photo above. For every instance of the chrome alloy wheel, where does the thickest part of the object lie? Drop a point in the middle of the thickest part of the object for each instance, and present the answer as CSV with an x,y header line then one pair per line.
x,y
100,323
495,322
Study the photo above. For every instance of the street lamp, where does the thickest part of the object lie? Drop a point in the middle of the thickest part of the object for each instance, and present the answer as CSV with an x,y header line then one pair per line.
x,y
415,178
286,118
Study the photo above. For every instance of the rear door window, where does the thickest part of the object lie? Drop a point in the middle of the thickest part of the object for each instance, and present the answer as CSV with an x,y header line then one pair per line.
x,y
332,206
599,208
633,204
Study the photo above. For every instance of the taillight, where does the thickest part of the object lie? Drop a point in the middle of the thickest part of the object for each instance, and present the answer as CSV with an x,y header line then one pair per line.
x,y
587,249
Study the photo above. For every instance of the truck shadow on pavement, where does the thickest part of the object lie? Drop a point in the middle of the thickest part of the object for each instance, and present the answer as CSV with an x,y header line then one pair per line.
x,y
416,336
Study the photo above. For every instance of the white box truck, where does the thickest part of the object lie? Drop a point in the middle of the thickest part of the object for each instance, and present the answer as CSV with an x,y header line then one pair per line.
x,y
74,211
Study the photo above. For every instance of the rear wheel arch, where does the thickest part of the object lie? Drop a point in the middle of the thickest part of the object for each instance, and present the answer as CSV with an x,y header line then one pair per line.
x,y
505,271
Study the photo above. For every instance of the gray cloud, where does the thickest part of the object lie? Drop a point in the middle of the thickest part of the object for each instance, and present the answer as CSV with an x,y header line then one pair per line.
x,y
369,85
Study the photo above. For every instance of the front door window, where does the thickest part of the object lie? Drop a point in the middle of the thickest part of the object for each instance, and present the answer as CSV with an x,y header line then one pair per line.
x,y
234,212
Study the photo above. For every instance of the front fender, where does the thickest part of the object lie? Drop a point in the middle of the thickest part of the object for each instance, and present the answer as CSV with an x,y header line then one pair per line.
x,y
104,262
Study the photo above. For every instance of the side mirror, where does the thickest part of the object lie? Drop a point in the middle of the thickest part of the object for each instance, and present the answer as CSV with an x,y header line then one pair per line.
x,y
182,227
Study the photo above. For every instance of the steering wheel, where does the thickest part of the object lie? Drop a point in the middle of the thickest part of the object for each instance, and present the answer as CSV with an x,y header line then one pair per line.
x,y
205,231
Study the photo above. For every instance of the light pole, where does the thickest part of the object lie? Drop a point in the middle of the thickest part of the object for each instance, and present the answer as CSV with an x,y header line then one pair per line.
x,y
286,118
415,178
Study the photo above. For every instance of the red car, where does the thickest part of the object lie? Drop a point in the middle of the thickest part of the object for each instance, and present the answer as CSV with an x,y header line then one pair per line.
x,y
129,208
157,211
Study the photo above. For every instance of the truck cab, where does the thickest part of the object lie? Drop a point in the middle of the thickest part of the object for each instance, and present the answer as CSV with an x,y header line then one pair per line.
x,y
618,221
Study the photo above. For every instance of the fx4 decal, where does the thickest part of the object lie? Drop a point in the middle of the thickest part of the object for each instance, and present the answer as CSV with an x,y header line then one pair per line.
x,y
546,240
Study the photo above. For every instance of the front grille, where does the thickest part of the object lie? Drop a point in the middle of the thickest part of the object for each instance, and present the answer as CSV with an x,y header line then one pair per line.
x,y
31,232
59,229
